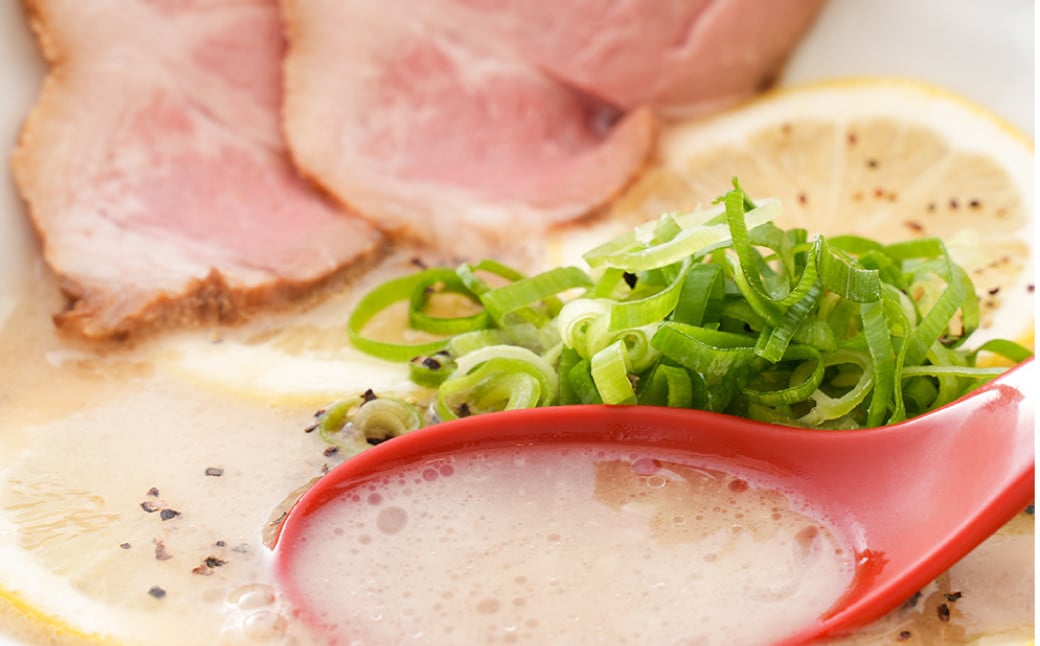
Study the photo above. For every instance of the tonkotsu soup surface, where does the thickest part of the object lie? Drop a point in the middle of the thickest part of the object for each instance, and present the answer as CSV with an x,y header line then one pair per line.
x,y
567,545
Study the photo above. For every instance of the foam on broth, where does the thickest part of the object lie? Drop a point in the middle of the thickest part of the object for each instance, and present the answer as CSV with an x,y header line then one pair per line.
x,y
567,545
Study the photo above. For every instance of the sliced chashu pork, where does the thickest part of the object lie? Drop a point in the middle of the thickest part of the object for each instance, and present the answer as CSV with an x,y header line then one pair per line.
x,y
155,172
682,57
413,114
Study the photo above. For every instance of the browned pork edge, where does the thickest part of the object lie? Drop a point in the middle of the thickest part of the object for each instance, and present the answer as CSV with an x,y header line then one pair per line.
x,y
210,301
202,302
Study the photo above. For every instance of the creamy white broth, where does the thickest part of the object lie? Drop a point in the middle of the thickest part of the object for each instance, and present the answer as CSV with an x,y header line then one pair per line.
x,y
85,440
567,545
85,433
206,426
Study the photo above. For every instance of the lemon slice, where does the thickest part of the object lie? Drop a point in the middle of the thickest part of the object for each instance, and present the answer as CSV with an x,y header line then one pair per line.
x,y
887,159
296,359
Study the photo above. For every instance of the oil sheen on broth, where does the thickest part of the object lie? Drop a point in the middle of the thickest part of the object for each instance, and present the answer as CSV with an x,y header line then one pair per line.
x,y
567,545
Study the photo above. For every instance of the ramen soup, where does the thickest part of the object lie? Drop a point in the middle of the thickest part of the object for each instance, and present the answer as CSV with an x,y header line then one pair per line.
x,y
566,545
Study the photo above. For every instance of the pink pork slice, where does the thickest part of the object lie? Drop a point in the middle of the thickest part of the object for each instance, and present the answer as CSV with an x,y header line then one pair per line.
x,y
155,171
414,115
682,57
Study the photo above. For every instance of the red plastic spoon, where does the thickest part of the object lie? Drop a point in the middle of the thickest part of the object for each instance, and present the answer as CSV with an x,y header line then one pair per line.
x,y
918,496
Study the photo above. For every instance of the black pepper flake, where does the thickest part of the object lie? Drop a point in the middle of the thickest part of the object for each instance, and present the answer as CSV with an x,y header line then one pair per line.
x,y
318,413
153,492
975,204
912,601
872,163
431,363
993,291
311,428
903,635
216,472
169,514
160,551
931,206
157,592
914,226
125,546
220,543
368,396
149,506
332,450
1030,288
464,410
418,262
944,613
208,564
630,279
953,596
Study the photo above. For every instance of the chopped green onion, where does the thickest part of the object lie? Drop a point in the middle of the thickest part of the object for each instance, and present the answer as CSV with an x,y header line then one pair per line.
x,y
441,281
700,301
431,371
710,352
527,291
718,309
694,240
610,369
390,292
637,312
353,426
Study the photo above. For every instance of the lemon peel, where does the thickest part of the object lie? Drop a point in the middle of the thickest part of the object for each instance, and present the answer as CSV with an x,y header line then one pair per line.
x,y
36,623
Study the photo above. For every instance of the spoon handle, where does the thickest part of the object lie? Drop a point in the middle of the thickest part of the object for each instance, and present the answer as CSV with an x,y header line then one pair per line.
x,y
926,492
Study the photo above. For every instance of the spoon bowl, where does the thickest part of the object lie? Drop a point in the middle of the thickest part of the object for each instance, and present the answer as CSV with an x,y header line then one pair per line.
x,y
912,498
